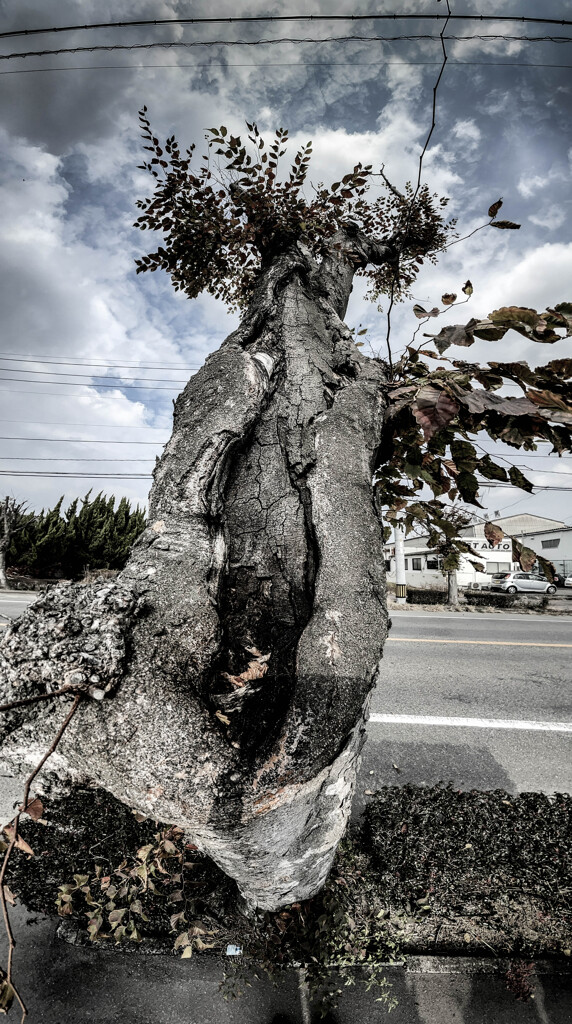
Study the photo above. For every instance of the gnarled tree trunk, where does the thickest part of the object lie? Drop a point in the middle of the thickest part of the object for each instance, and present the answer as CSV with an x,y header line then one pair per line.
x,y
265,546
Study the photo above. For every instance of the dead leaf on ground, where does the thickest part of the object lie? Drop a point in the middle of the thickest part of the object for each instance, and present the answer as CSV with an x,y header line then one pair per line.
x,y
20,843
35,809
257,668
7,993
10,897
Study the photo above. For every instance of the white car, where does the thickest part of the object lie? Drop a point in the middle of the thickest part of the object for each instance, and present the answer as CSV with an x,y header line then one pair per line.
x,y
568,581
523,582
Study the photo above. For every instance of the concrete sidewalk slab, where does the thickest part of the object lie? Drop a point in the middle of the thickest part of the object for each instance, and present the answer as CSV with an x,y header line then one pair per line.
x,y
67,984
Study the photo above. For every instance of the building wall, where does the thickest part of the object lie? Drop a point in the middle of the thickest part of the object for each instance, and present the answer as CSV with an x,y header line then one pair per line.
x,y
555,545
548,537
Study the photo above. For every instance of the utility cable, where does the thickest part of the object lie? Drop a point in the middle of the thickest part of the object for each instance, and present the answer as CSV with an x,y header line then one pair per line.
x,y
64,373
79,440
79,361
178,44
539,487
293,64
61,394
266,18
67,423
73,384
43,458
80,476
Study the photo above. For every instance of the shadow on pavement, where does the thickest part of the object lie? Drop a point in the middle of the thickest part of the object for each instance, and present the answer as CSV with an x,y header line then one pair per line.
x,y
424,764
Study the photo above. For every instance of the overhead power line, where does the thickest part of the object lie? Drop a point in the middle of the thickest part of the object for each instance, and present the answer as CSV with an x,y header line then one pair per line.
x,y
90,376
179,44
539,487
78,476
292,64
77,384
80,361
77,423
79,440
41,458
266,18
68,423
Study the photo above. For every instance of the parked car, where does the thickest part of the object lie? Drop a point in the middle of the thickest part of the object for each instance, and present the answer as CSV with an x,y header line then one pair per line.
x,y
557,579
568,581
524,582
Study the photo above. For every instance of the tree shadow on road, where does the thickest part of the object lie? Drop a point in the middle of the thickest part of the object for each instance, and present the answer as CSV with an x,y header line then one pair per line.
x,y
396,763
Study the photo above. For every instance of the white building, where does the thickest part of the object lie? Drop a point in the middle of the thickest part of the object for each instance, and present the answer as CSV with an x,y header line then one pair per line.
x,y
554,544
521,527
423,565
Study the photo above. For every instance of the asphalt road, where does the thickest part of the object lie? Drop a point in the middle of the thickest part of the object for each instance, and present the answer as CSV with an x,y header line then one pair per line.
x,y
505,675
13,603
503,684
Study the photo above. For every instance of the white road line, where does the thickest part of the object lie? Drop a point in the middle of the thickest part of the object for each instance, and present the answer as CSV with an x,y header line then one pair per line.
x,y
489,643
471,723
477,617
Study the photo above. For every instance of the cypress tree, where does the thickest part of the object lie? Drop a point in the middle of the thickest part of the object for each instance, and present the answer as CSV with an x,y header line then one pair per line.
x,y
63,544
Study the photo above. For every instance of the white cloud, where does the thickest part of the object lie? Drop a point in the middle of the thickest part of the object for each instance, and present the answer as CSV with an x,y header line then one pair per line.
x,y
68,283
468,134
499,43
551,217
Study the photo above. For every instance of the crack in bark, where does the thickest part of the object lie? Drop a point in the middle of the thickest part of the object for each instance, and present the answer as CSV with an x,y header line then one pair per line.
x,y
263,532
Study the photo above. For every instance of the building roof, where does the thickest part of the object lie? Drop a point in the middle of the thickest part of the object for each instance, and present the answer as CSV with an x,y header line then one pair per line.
x,y
555,529
514,525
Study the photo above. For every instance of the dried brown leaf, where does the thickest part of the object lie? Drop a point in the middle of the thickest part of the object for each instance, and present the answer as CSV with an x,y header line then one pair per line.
x,y
505,225
9,896
518,479
20,843
421,313
35,809
493,534
494,209
433,409
7,993
257,668
456,334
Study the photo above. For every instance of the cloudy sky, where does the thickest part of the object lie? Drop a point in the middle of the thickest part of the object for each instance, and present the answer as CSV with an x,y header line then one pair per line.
x,y
92,355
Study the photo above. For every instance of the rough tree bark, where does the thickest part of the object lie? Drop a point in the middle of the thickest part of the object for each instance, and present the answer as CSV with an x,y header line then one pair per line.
x,y
452,587
264,535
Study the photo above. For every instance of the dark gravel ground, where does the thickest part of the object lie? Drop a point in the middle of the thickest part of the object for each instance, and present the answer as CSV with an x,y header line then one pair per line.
x,y
427,870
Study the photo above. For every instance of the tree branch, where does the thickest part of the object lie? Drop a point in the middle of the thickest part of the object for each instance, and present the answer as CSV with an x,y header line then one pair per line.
x,y
14,839
40,696
434,110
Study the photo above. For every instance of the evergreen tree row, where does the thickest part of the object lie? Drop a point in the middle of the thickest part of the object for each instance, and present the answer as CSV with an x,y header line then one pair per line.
x,y
90,534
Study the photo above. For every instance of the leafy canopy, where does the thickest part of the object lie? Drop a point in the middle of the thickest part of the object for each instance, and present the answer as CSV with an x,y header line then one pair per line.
x,y
229,216
437,415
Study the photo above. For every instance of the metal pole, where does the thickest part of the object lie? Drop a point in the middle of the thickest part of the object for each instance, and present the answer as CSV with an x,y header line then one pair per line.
x,y
400,581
